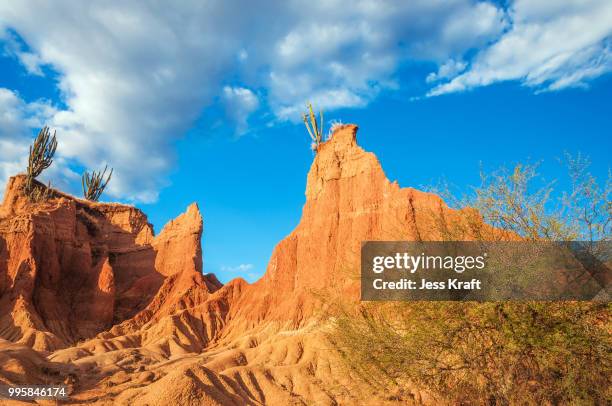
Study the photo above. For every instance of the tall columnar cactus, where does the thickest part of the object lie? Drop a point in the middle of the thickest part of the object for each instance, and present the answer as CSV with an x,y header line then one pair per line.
x,y
94,183
315,131
41,156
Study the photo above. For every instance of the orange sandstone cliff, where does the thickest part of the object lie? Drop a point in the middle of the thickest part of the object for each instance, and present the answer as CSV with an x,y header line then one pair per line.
x,y
90,297
70,269
348,200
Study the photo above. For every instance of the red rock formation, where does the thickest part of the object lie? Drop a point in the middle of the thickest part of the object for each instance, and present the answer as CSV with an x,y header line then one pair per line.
x,y
348,200
70,269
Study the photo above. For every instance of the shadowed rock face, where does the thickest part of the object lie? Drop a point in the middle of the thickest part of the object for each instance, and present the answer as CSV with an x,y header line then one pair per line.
x,y
70,269
159,331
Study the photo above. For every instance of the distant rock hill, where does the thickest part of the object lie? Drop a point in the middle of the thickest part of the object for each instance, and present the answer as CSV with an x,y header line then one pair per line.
x,y
89,296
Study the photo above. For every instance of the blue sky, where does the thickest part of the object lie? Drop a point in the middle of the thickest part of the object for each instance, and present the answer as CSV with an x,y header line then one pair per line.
x,y
201,102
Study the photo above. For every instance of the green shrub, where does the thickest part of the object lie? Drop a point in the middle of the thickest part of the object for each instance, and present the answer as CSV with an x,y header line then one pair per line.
x,y
496,353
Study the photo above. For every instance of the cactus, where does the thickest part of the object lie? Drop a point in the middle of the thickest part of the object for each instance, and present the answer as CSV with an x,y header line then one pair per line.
x,y
41,156
315,131
95,183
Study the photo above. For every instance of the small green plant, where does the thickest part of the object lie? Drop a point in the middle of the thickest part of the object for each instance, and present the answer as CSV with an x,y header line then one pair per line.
x,y
315,131
39,159
95,183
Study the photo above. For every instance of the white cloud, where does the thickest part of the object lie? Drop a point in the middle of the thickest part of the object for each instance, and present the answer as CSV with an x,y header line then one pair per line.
x,y
447,70
14,48
340,56
551,46
239,103
135,76
242,268
245,271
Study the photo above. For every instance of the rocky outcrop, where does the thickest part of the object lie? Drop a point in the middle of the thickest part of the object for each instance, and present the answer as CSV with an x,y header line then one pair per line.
x,y
348,200
70,269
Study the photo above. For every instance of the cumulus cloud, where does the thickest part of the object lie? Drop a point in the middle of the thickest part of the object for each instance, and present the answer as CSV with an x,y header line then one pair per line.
x,y
338,56
239,103
550,46
447,70
135,76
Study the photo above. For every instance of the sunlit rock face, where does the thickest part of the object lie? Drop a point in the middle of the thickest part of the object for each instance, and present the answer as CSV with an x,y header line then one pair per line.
x,y
70,269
